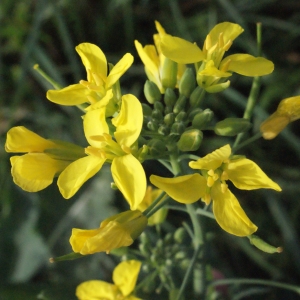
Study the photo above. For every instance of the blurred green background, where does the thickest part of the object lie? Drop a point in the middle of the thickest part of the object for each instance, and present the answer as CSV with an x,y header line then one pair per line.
x,y
36,226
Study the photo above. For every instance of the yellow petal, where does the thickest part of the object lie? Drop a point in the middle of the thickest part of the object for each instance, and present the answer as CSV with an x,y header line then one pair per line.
x,y
247,175
273,125
180,50
130,178
211,70
21,139
212,160
229,214
96,289
230,32
219,87
101,103
93,59
71,95
248,65
119,69
35,171
129,121
148,56
77,173
125,275
105,239
94,124
290,107
184,189
159,28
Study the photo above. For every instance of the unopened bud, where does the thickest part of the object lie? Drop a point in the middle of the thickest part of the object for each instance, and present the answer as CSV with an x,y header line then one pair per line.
x,y
147,110
190,140
170,97
232,126
156,147
169,119
152,92
152,125
217,88
177,128
169,73
196,97
187,83
157,115
159,106
194,112
163,129
202,119
182,116
180,235
180,104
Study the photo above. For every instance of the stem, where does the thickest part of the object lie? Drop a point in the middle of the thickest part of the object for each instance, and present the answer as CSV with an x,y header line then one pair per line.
x,y
47,77
246,142
286,286
147,212
252,99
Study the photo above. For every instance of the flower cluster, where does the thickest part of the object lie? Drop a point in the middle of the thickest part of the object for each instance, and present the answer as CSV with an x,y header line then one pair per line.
x,y
123,131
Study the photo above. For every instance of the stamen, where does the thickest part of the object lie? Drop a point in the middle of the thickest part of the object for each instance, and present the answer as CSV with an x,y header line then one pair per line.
x,y
211,172
224,176
225,66
206,198
207,42
126,149
210,181
98,80
95,151
227,45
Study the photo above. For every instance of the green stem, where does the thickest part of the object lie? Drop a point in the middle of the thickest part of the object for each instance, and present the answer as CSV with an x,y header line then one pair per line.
x,y
47,77
280,285
147,212
158,207
246,142
252,99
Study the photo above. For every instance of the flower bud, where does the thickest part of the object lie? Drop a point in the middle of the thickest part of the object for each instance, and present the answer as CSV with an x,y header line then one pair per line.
x,y
181,235
217,88
157,115
169,73
170,97
196,97
169,119
181,116
180,104
147,110
156,147
152,125
202,119
232,126
190,140
177,128
194,112
159,106
187,83
163,129
152,92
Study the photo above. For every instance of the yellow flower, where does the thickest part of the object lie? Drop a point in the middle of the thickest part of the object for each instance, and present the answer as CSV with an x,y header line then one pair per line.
x,y
213,71
155,62
115,232
127,171
125,276
287,111
217,168
99,80
44,160
150,196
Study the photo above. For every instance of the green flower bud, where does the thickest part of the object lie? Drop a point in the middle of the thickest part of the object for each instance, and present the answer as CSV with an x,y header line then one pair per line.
x,y
187,83
180,255
180,104
180,235
262,245
159,106
152,125
156,147
194,112
152,92
147,110
202,119
190,140
181,116
163,129
232,126
178,128
168,238
169,119
169,73
196,97
170,97
157,115
168,110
